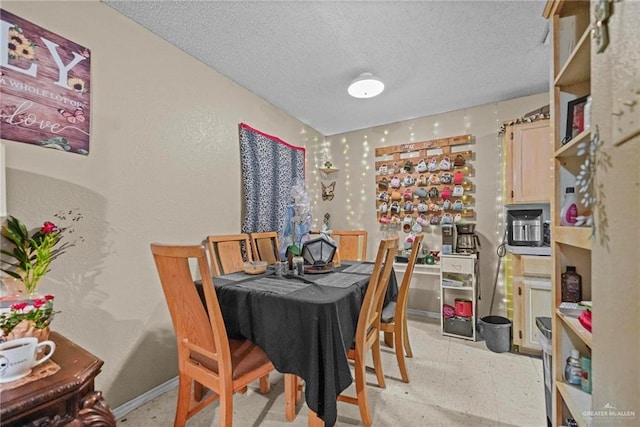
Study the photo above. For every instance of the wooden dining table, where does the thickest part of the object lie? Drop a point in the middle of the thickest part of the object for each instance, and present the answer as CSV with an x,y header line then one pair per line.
x,y
305,324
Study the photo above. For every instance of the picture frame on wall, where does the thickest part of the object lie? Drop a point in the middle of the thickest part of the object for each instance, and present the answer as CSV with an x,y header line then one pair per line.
x,y
575,118
45,87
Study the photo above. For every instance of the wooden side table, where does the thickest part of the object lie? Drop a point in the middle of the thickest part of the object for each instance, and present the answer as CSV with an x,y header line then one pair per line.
x,y
64,398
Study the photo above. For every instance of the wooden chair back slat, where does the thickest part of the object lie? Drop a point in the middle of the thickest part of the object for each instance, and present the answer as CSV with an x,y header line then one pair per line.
x,y
374,297
266,247
352,244
228,253
403,293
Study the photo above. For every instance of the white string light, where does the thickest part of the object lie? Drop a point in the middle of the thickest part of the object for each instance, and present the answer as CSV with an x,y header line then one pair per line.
x,y
500,186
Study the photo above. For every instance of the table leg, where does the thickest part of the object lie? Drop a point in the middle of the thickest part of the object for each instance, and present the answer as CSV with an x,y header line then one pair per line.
x,y
298,389
290,391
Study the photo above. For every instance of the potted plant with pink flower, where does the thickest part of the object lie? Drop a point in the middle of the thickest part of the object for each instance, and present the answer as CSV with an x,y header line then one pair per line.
x,y
27,319
33,252
25,312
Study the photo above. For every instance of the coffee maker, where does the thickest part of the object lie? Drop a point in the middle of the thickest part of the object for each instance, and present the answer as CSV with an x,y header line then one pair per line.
x,y
447,239
467,241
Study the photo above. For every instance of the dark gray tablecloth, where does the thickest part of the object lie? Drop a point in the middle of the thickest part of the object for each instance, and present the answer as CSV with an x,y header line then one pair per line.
x,y
305,325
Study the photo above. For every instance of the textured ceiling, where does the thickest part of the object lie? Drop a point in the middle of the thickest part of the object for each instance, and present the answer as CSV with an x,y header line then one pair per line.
x,y
433,56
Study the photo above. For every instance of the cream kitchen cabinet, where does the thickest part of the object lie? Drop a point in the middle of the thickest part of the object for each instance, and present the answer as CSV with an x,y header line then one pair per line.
x,y
529,152
532,298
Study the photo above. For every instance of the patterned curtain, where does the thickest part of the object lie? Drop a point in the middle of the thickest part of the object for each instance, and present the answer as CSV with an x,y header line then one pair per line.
x,y
270,168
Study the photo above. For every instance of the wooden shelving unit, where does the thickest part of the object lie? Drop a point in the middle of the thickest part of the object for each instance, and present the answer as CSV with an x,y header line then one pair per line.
x,y
573,324
570,149
576,400
580,237
462,268
573,73
571,246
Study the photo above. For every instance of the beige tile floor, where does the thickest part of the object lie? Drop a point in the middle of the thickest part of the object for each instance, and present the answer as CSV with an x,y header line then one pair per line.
x,y
454,382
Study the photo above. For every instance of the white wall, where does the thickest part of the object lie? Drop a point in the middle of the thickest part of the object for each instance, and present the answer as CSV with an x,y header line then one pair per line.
x,y
353,206
164,166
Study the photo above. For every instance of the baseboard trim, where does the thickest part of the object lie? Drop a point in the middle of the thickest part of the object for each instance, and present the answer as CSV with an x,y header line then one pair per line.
x,y
122,410
423,313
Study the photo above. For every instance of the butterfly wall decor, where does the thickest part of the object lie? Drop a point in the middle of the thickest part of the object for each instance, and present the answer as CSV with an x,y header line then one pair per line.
x,y
327,191
76,117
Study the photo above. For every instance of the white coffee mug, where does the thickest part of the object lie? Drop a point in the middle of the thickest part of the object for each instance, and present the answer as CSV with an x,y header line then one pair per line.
x,y
18,356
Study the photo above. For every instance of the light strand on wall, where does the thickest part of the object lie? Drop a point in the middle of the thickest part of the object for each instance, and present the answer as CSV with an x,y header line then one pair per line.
x,y
347,182
500,184
365,185
412,134
321,154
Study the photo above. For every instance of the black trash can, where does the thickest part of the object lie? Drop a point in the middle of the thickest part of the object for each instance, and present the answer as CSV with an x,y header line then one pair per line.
x,y
544,337
496,331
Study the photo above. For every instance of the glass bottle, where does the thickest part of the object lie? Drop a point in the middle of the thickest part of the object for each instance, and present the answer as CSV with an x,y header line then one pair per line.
x,y
571,285
298,265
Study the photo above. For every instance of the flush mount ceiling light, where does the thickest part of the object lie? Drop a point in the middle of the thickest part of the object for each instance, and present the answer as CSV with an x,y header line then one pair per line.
x,y
365,86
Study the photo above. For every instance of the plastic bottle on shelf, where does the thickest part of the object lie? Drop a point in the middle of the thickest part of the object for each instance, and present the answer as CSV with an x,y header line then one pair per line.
x,y
572,370
571,285
569,210
587,113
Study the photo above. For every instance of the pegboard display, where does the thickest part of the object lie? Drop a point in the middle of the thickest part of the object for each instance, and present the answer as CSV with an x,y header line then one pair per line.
x,y
425,183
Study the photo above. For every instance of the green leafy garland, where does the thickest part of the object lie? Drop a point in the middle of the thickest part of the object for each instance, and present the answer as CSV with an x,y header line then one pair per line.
x,y
528,119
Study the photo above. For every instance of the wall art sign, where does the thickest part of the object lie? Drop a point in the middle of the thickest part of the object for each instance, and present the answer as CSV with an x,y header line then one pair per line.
x,y
44,87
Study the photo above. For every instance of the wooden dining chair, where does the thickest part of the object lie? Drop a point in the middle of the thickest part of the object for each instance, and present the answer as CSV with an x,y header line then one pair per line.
x,y
368,329
266,246
228,253
206,356
394,314
352,245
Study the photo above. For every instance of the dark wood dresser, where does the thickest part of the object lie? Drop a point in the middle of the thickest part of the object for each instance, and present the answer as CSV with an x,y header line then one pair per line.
x,y
64,398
